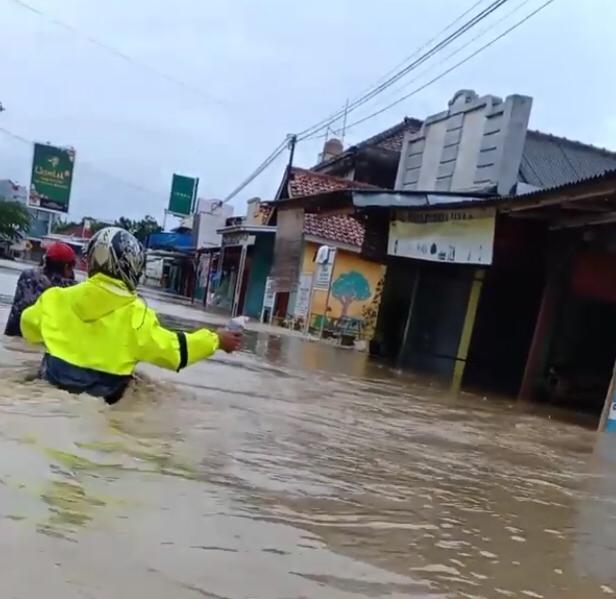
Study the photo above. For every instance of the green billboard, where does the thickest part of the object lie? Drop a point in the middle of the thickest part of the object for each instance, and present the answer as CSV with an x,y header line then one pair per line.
x,y
52,176
183,195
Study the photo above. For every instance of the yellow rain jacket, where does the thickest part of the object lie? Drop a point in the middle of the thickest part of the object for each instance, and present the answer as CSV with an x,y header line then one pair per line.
x,y
100,326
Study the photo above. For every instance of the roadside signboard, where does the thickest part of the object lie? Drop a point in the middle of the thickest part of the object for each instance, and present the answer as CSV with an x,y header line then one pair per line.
x,y
183,195
304,295
51,178
270,294
459,236
323,270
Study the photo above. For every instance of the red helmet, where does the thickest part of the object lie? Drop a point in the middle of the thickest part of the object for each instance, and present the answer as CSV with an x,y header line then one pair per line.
x,y
61,252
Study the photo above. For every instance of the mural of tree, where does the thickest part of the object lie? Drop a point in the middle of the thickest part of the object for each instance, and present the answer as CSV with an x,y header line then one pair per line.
x,y
350,287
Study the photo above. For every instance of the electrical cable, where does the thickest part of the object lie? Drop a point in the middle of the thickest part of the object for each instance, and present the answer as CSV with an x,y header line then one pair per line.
x,y
452,68
449,56
310,132
271,158
120,54
402,72
90,166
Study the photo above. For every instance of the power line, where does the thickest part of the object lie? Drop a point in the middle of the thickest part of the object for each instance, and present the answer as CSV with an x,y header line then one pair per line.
x,y
423,58
90,166
408,68
311,132
426,44
452,68
454,53
119,53
277,152
271,158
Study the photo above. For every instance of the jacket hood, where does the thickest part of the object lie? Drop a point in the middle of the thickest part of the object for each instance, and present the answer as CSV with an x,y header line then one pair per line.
x,y
100,295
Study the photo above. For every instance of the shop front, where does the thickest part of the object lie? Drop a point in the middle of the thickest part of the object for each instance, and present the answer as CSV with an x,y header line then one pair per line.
x,y
238,285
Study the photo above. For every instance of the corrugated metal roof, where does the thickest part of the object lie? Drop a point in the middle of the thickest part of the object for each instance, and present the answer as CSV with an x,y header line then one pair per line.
x,y
605,175
550,161
419,200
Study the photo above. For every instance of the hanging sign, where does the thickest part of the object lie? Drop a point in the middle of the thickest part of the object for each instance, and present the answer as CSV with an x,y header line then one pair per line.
x,y
324,267
457,236
183,195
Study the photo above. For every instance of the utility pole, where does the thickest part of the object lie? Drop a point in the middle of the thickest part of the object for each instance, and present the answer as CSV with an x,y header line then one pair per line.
x,y
292,144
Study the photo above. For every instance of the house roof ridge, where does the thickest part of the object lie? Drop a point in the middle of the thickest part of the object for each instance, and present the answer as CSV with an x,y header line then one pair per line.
x,y
377,137
374,139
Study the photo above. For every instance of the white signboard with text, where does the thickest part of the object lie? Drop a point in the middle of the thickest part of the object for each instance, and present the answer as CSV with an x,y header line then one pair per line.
x,y
456,236
304,293
269,295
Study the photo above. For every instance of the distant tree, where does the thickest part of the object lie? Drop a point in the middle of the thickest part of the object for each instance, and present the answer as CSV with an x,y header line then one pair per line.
x,y
139,228
350,287
64,226
14,221
97,225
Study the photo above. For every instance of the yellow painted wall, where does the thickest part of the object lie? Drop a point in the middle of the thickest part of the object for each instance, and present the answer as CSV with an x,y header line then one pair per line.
x,y
345,262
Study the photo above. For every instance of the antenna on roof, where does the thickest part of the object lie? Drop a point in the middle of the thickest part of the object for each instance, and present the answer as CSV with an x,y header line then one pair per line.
x,y
344,121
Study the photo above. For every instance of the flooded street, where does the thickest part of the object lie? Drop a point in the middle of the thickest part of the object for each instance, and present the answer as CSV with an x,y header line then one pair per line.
x,y
294,470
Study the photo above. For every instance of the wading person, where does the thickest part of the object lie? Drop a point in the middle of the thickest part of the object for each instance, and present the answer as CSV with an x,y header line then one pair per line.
x,y
96,332
57,270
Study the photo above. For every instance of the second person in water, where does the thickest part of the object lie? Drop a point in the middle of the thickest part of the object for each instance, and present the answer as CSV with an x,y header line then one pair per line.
x,y
96,332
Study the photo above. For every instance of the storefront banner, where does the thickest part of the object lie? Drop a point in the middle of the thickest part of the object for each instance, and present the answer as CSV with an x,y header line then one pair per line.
x,y
455,236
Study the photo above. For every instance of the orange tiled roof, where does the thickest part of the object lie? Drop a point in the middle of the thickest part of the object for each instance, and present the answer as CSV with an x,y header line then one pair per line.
x,y
302,182
337,228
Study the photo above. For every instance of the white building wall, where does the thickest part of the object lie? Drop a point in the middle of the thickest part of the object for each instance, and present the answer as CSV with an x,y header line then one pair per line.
x,y
209,217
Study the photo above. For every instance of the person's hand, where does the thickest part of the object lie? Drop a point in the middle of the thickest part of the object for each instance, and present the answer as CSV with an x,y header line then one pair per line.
x,y
229,341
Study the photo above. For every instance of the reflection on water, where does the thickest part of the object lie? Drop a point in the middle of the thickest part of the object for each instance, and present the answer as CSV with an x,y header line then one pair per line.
x,y
295,470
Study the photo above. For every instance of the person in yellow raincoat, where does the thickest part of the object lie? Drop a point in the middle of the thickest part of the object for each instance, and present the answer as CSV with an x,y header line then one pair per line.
x,y
96,332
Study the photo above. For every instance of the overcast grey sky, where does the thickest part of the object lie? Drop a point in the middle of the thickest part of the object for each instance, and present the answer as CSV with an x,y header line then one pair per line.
x,y
265,68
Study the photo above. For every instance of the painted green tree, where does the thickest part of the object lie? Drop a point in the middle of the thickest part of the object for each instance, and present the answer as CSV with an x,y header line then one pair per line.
x,y
350,287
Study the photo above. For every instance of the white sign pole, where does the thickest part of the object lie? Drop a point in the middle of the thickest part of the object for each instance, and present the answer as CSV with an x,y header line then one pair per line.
x,y
332,256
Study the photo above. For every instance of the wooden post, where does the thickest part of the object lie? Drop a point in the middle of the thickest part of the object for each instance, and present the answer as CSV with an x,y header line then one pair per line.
x,y
239,281
207,279
607,422
536,351
409,317
467,330
307,324
329,290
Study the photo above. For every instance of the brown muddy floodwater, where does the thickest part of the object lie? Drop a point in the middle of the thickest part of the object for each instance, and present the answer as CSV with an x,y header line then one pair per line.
x,y
294,470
